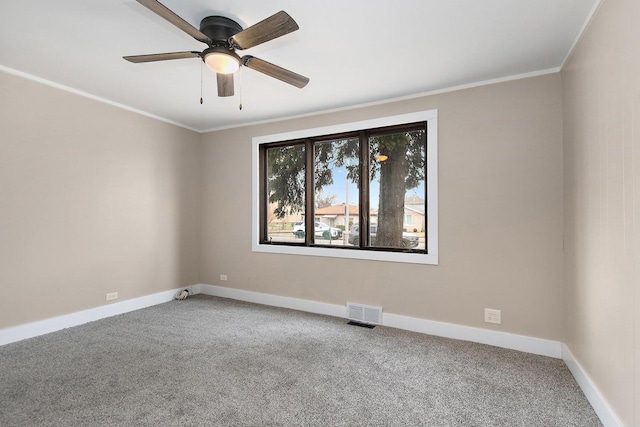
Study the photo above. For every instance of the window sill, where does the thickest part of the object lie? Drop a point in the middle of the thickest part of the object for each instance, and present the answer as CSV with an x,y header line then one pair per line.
x,y
405,257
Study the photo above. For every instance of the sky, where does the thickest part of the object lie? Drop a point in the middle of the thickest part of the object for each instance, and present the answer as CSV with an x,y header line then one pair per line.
x,y
339,189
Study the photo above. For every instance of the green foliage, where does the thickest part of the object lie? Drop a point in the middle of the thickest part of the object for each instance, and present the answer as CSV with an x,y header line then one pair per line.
x,y
409,144
286,167
285,172
324,155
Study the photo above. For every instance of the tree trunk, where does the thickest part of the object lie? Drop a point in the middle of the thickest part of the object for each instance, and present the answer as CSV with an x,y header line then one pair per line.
x,y
393,173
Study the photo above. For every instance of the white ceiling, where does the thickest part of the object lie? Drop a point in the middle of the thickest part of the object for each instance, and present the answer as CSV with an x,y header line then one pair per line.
x,y
354,51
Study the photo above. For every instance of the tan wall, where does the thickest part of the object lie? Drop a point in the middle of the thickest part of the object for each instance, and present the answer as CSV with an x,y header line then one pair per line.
x,y
500,216
93,199
602,212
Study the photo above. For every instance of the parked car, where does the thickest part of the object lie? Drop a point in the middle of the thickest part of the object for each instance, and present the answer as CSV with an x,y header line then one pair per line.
x,y
409,240
321,230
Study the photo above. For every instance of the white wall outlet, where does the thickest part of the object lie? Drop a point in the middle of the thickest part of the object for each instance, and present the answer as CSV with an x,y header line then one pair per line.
x,y
111,296
223,277
492,316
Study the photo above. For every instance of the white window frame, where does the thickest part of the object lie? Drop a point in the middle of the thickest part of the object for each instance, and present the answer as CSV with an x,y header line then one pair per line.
x,y
429,116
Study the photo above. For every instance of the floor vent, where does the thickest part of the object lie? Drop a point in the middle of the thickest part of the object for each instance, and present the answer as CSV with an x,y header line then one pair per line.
x,y
362,325
364,313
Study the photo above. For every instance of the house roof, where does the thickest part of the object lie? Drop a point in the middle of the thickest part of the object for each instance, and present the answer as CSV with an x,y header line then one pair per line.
x,y
415,209
337,210
413,200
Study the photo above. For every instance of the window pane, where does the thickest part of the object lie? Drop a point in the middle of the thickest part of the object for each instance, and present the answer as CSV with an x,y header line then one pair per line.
x,y
397,190
357,191
286,194
337,198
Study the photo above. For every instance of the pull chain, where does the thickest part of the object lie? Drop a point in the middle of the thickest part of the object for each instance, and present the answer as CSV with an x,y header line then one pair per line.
x,y
201,65
240,76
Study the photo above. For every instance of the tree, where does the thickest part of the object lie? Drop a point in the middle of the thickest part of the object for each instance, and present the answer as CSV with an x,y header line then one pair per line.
x,y
397,160
286,176
401,168
325,200
285,171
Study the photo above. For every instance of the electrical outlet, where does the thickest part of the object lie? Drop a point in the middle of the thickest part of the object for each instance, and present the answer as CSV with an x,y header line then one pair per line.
x,y
223,277
492,316
112,296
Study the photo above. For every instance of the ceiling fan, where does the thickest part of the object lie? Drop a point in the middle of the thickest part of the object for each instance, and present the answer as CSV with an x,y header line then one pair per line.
x,y
223,37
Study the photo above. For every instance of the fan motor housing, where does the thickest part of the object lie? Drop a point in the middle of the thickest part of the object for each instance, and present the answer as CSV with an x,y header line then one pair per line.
x,y
219,28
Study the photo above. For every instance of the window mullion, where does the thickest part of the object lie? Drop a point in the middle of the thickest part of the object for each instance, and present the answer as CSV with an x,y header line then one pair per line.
x,y
364,190
310,216
262,161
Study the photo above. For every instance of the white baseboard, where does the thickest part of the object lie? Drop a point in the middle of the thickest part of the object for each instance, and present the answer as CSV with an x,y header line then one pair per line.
x,y
34,329
598,402
272,300
448,330
522,343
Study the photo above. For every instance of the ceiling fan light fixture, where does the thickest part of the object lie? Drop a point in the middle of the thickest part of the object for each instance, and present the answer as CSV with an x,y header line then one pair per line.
x,y
223,36
221,61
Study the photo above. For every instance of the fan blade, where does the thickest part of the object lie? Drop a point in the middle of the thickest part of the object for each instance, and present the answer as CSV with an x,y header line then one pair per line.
x,y
161,56
274,71
166,13
225,84
273,27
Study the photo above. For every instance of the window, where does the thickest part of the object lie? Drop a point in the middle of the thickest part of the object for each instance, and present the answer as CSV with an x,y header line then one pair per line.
x,y
352,185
